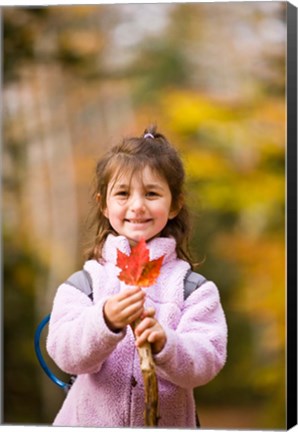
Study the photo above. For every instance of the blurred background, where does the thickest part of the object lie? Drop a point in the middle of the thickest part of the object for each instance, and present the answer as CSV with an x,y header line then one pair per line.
x,y
76,79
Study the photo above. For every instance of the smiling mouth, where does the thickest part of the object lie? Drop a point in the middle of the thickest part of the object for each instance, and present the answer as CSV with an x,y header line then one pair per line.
x,y
137,221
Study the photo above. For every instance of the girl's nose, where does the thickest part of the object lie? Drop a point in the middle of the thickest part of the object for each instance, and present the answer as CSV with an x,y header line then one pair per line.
x,y
137,204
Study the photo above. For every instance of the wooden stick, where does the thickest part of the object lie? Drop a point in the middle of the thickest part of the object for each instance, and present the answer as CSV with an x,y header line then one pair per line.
x,y
150,383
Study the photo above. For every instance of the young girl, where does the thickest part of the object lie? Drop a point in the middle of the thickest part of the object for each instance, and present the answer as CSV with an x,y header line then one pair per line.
x,y
139,194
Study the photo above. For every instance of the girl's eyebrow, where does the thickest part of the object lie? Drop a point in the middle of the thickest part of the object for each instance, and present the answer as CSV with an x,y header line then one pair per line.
x,y
147,185
153,186
120,185
117,186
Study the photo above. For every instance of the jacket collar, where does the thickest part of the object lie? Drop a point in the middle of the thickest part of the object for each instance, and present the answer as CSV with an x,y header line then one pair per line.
x,y
157,247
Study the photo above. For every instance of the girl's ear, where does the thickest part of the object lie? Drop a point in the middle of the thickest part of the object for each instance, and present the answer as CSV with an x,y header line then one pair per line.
x,y
174,211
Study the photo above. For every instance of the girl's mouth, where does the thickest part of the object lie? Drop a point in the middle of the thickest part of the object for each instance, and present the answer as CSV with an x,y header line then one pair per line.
x,y
137,221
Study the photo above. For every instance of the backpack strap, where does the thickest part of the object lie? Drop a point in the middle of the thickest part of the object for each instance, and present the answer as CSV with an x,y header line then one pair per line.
x,y
82,281
37,335
192,281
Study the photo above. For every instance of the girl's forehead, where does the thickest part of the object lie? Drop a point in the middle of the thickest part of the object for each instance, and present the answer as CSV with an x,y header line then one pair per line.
x,y
143,175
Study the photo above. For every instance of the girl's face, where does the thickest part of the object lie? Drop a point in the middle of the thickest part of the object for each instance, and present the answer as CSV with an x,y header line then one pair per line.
x,y
139,205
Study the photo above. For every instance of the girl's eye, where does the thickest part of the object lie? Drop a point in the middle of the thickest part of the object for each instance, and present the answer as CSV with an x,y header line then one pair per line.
x,y
151,194
122,193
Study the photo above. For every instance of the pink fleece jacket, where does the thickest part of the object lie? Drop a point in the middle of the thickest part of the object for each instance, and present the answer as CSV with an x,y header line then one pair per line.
x,y
108,391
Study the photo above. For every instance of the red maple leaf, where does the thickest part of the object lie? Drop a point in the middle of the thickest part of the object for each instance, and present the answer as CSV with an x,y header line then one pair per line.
x,y
137,269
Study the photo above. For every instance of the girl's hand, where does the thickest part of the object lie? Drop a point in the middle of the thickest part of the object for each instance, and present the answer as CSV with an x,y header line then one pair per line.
x,y
150,330
123,308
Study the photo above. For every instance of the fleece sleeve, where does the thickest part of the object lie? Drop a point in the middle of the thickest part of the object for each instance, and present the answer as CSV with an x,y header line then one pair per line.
x,y
78,339
196,350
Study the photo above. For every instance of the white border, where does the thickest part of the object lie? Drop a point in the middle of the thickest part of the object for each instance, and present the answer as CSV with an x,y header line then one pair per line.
x,y
90,2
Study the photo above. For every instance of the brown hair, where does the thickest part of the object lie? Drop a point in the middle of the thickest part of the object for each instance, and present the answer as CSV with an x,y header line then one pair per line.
x,y
132,155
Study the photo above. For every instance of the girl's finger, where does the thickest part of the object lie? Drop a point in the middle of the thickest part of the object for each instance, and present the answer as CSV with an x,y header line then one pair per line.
x,y
150,312
131,311
154,336
144,324
142,338
128,292
131,299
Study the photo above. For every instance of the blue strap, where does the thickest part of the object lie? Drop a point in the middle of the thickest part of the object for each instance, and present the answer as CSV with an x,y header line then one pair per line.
x,y
65,386
82,281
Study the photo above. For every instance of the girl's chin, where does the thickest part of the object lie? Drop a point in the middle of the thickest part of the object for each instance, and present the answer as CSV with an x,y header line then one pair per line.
x,y
133,241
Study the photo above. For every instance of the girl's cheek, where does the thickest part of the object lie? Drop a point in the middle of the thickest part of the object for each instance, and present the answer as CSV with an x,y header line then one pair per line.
x,y
121,203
